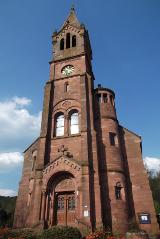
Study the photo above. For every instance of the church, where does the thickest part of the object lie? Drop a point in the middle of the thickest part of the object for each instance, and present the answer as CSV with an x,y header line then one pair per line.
x,y
85,169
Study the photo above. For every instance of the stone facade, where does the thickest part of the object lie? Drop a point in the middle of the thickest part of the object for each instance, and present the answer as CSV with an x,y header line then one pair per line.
x,y
94,175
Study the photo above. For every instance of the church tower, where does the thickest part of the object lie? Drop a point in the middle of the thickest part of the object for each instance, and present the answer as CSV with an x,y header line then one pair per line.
x,y
81,171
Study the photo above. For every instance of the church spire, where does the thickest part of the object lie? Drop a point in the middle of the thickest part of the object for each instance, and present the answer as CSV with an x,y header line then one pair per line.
x,y
72,35
72,18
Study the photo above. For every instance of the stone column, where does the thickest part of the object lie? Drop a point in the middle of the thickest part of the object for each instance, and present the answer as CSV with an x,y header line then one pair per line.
x,y
46,211
43,205
51,209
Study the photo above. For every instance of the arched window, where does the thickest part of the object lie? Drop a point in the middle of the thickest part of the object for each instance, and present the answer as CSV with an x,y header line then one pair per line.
x,y
113,139
105,99
111,100
118,188
62,44
99,98
74,41
33,162
59,125
68,40
34,157
74,123
66,87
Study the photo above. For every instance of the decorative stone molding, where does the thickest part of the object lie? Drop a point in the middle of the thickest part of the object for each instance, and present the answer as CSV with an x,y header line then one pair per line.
x,y
66,104
60,161
62,164
63,151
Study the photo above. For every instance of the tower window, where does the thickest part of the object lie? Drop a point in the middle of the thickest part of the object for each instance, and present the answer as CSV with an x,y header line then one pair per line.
x,y
111,100
118,188
34,156
60,125
105,99
66,87
33,162
99,98
113,139
68,40
74,41
62,44
74,123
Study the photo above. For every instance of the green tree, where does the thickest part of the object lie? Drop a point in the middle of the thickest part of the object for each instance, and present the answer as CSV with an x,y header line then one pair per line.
x,y
3,217
7,207
154,180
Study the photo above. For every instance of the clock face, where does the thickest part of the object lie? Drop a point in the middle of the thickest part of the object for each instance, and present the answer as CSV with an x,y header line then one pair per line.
x,y
67,70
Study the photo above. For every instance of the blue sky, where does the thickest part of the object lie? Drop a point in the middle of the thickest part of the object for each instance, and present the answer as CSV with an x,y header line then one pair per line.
x,y
125,39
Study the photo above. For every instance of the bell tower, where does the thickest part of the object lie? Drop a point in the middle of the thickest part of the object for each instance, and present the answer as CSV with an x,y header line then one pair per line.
x,y
68,132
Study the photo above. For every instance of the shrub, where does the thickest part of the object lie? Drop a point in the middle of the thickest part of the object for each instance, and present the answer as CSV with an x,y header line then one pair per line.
x,y
61,232
19,234
100,234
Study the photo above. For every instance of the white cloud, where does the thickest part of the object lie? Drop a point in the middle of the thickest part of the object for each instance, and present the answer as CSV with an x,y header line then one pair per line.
x,y
7,192
22,101
153,164
18,126
10,160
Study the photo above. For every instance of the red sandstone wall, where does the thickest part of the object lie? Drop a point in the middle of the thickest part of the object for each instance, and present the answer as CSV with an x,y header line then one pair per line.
x,y
21,210
141,193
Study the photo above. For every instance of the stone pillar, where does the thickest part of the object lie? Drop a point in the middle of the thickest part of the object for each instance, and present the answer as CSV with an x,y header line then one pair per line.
x,y
94,174
46,210
43,205
51,209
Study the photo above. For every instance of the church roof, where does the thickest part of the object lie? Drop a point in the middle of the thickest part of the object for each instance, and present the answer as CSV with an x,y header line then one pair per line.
x,y
131,132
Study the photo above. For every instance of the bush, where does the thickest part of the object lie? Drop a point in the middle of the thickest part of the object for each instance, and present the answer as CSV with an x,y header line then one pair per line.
x,y
61,232
100,234
19,234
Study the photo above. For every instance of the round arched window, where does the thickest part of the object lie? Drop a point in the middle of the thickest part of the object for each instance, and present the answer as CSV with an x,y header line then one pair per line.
x,y
74,123
59,125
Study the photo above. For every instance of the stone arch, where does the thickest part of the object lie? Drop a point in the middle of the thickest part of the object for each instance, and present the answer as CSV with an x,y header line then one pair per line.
x,y
66,104
62,164
59,177
61,180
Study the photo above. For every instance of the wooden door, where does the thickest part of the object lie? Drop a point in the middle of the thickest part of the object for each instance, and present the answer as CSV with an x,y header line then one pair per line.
x,y
65,208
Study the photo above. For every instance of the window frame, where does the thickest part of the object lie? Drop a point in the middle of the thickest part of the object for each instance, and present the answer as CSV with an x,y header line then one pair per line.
x,y
113,139
61,44
55,124
68,40
74,41
70,122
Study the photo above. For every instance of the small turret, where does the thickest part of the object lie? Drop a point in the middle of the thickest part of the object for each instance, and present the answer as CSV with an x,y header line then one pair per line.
x,y
105,105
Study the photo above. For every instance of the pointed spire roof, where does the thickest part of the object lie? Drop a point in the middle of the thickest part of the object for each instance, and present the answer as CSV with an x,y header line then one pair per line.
x,y
72,19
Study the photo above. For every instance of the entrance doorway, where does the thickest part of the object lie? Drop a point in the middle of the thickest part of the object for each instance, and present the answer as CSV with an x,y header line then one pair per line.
x,y
65,208
60,201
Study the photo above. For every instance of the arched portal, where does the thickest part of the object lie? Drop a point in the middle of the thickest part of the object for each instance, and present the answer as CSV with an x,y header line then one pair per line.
x,y
60,200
